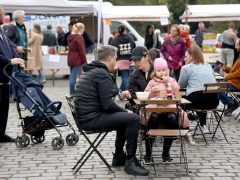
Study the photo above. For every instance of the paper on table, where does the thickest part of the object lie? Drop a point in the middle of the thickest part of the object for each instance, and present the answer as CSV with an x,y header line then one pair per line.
x,y
54,58
45,50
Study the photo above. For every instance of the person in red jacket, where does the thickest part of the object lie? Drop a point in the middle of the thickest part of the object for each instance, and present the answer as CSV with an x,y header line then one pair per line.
x,y
76,54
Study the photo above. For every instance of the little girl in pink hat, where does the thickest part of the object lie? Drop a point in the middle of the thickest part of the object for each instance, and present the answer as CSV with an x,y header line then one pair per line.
x,y
159,82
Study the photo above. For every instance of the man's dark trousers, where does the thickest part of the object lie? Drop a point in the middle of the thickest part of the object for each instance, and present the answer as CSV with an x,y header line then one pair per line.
x,y
126,124
4,105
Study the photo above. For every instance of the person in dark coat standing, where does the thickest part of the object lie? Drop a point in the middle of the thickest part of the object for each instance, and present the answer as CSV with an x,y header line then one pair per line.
x,y
89,44
60,36
76,54
7,55
49,38
96,110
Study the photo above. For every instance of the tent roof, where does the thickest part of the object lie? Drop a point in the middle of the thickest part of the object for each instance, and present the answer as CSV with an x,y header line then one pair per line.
x,y
216,12
47,7
135,13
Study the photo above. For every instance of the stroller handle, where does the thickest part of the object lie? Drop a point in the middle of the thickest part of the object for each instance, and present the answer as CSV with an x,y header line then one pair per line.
x,y
5,70
59,104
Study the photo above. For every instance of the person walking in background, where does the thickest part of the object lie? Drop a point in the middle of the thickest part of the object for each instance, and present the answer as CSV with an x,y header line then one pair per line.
x,y
89,44
60,36
114,34
173,50
8,55
70,25
16,32
49,38
125,44
157,32
76,54
150,38
199,34
228,45
184,34
35,56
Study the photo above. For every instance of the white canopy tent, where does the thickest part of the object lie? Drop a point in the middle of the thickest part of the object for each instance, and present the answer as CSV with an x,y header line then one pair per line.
x,y
48,7
215,12
135,13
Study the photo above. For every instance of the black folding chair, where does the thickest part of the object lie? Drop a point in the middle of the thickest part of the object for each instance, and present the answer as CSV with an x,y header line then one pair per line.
x,y
236,96
93,144
217,112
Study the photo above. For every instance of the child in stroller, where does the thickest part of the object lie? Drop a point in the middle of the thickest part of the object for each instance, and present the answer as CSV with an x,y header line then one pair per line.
x,y
45,114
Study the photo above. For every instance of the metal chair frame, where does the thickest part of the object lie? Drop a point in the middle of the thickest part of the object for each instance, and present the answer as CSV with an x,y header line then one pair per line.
x,y
93,144
166,133
218,113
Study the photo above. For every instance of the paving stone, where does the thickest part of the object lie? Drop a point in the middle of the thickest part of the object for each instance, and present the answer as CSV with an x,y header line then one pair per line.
x,y
216,161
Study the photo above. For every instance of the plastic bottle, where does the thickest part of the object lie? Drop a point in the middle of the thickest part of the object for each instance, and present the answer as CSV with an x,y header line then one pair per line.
x,y
169,91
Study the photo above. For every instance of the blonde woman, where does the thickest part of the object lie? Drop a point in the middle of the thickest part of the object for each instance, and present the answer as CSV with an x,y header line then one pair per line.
x,y
35,55
76,54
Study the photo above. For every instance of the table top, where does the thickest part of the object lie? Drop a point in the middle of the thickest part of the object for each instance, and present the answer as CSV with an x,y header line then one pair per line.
x,y
158,100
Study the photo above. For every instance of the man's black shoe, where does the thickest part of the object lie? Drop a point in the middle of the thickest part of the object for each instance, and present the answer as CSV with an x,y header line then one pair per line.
x,y
132,166
231,108
119,159
6,138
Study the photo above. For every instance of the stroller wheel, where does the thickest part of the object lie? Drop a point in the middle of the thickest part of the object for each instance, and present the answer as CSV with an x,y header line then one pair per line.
x,y
35,139
22,141
27,140
57,143
42,138
72,139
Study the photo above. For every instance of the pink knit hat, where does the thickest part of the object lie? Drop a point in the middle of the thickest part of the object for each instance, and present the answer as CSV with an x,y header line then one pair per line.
x,y
160,63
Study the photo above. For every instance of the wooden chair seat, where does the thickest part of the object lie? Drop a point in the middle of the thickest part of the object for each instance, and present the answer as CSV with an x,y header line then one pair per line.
x,y
167,132
207,110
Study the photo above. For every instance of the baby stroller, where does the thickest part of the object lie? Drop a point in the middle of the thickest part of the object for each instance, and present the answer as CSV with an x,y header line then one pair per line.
x,y
45,114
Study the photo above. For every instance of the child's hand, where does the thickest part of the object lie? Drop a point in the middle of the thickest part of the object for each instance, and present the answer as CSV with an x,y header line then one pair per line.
x,y
165,78
156,89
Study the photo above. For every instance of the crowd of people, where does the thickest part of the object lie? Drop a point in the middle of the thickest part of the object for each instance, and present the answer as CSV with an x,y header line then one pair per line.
x,y
177,62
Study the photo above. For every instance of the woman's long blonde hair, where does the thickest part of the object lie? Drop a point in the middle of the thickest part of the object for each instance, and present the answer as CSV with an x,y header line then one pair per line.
x,y
78,28
196,53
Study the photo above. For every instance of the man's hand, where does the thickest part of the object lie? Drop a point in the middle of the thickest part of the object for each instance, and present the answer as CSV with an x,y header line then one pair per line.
x,y
126,95
18,61
170,58
20,49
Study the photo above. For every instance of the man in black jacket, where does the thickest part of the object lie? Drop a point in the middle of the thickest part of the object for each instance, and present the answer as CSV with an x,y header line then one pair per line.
x,y
7,55
96,110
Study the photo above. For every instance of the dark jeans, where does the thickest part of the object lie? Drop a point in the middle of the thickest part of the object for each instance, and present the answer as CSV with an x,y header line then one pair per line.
x,y
199,100
225,99
4,105
124,75
126,124
169,121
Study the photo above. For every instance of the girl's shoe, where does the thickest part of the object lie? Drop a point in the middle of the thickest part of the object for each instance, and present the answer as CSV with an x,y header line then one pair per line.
x,y
189,139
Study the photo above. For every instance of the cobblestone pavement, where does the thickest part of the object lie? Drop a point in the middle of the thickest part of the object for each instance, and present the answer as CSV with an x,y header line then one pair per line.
x,y
217,160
